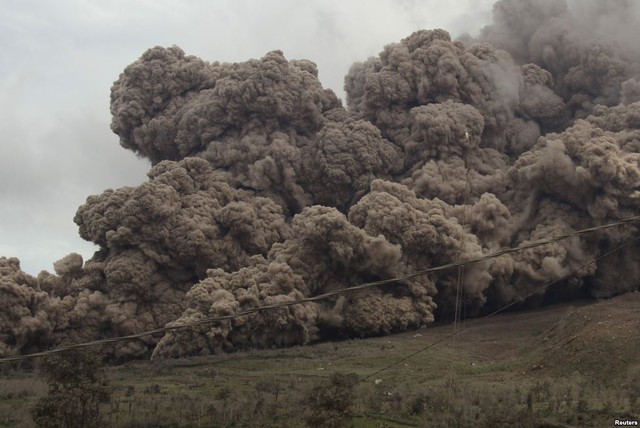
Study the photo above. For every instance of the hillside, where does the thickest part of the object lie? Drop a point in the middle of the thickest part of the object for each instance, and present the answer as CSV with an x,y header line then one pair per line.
x,y
563,365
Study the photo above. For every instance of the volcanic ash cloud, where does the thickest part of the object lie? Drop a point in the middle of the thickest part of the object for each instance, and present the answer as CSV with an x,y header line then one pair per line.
x,y
264,190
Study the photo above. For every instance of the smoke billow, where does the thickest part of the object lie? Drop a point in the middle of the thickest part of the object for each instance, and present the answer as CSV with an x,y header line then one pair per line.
x,y
265,189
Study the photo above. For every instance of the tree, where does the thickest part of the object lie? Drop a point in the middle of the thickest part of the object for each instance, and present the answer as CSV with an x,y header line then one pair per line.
x,y
77,387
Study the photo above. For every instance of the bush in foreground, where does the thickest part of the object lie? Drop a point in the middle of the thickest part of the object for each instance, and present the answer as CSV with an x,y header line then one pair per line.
x,y
77,388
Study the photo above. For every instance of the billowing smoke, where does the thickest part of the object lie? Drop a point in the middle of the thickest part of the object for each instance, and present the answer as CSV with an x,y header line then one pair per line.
x,y
265,189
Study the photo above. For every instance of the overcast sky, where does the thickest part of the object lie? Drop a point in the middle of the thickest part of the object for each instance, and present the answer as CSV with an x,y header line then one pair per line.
x,y
60,58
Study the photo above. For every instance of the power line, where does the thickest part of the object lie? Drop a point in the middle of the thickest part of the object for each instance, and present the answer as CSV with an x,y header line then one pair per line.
x,y
499,310
324,295
459,289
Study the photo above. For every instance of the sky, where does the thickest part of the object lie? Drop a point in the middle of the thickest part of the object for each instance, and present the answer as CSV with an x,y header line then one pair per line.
x,y
59,60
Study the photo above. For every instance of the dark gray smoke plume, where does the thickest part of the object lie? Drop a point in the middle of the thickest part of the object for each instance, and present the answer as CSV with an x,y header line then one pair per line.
x,y
265,189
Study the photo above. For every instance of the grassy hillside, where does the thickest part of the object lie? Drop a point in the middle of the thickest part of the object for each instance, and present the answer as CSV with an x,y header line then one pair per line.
x,y
566,365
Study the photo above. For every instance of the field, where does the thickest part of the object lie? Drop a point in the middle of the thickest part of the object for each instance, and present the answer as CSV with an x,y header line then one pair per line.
x,y
565,365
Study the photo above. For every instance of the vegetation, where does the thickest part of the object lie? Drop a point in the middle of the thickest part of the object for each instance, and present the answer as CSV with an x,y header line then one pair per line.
x,y
77,388
552,367
329,404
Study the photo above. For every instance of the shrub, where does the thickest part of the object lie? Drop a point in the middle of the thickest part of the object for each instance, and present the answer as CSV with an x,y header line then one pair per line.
x,y
329,403
77,387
